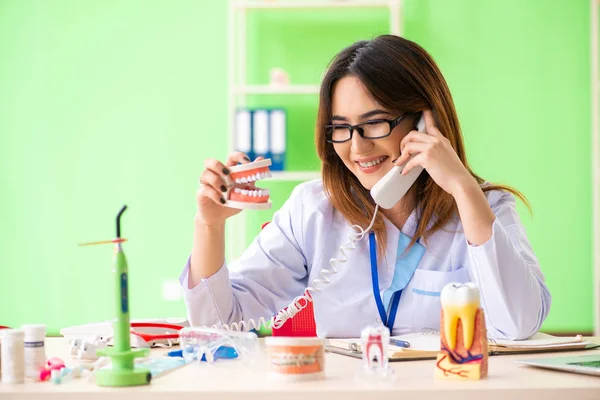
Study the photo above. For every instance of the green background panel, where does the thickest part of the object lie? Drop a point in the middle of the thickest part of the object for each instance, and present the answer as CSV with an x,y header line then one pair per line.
x,y
108,103
103,104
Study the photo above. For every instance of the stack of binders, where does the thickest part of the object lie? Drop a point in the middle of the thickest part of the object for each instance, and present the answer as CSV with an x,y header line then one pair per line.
x,y
261,133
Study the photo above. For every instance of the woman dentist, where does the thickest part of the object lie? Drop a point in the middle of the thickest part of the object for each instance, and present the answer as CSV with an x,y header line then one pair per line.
x,y
451,226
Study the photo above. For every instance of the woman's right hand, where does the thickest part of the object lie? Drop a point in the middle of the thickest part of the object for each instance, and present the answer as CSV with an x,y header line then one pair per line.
x,y
214,183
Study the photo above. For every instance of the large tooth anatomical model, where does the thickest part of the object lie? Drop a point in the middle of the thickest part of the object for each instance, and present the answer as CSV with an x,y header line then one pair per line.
x,y
464,347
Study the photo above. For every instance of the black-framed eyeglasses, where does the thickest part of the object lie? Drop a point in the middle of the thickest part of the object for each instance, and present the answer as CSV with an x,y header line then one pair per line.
x,y
372,129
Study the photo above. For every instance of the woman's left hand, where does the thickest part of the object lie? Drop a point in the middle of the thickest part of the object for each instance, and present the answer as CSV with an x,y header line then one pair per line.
x,y
434,153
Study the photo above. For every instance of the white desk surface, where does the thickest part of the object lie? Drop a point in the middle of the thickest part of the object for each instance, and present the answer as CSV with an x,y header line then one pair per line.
x,y
230,379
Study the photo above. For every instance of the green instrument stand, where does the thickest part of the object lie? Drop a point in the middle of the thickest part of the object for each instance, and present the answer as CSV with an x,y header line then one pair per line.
x,y
123,371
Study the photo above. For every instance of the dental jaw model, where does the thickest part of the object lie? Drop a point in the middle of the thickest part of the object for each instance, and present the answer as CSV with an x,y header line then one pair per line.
x,y
464,347
244,194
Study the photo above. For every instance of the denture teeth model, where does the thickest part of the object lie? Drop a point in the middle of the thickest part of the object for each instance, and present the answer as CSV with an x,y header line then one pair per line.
x,y
463,348
245,193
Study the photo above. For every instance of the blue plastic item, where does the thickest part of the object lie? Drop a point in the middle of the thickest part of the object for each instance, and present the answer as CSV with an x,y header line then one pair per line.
x,y
223,352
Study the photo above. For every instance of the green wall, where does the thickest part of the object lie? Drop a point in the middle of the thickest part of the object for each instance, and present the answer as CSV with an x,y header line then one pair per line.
x,y
103,104
120,102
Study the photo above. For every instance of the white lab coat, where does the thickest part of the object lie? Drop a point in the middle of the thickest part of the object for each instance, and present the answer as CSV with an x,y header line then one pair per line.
x,y
307,232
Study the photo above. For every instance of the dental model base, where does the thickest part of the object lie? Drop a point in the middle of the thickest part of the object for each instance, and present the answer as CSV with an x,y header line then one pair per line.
x,y
389,190
464,347
244,194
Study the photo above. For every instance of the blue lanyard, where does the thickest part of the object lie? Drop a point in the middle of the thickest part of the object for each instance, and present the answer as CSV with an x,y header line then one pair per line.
x,y
387,321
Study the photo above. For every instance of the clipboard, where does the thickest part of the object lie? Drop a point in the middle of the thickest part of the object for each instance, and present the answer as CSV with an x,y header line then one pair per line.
x,y
427,346
358,354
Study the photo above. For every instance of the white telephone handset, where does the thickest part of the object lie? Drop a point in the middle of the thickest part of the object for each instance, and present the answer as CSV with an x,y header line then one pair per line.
x,y
390,189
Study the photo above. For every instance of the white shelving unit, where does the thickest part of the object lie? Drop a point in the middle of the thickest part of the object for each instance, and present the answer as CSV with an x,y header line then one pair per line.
x,y
595,64
239,88
272,89
311,4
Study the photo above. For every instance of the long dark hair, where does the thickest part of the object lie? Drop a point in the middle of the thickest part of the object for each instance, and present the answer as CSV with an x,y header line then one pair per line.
x,y
403,77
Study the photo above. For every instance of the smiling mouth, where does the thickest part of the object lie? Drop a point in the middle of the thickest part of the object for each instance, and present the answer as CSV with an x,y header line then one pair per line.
x,y
372,163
